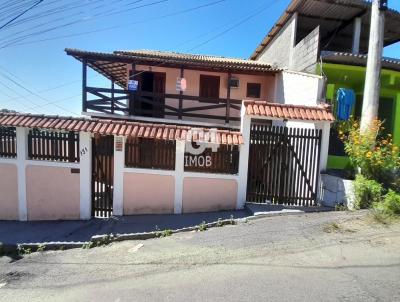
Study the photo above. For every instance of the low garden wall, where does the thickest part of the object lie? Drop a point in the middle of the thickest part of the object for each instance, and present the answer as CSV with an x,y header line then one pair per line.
x,y
52,192
8,191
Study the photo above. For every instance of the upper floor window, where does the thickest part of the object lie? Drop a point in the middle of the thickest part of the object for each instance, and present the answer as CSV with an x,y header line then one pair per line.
x,y
253,90
209,86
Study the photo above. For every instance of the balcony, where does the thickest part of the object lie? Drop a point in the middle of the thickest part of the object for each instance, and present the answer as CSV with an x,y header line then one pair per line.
x,y
159,105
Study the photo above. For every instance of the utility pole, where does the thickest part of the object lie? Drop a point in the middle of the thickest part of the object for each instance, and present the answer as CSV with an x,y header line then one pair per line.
x,y
373,74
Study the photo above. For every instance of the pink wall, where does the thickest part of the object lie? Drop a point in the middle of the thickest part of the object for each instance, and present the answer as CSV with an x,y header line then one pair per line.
x,y
52,193
8,192
148,194
193,83
206,194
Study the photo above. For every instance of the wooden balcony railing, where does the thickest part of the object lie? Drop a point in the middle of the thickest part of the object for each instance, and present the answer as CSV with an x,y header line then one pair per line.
x,y
119,101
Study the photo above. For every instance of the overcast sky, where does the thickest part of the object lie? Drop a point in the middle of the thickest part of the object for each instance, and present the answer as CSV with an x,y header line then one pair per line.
x,y
32,48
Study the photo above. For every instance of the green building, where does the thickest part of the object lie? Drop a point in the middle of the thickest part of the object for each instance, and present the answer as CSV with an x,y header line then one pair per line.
x,y
331,39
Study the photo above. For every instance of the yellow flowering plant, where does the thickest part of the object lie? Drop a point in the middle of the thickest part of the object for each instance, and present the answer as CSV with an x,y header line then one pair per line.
x,y
371,151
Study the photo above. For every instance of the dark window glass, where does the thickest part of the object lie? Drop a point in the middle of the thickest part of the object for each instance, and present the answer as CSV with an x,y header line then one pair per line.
x,y
253,90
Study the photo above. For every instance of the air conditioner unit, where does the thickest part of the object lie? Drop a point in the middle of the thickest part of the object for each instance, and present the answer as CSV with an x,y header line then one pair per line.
x,y
234,83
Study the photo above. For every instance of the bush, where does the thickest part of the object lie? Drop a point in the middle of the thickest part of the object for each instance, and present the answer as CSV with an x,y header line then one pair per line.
x,y
367,192
390,204
371,151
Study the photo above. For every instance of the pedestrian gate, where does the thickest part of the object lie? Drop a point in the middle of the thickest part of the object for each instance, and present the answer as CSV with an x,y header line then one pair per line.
x,y
102,176
283,165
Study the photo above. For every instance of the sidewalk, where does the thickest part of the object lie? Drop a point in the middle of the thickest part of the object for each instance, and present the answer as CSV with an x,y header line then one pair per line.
x,y
16,232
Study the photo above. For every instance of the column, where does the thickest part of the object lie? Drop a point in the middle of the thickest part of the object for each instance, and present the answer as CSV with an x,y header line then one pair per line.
x,y
324,146
243,159
22,153
179,170
119,164
85,177
356,36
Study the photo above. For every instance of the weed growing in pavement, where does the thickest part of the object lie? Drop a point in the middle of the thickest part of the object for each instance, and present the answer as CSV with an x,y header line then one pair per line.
x,y
165,233
41,248
219,222
202,227
331,227
381,217
341,207
23,251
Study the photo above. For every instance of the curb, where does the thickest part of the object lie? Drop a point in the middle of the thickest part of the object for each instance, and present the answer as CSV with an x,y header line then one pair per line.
x,y
99,240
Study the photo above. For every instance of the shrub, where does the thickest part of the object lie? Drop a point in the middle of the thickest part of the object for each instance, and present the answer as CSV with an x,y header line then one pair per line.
x,y
367,192
371,151
390,204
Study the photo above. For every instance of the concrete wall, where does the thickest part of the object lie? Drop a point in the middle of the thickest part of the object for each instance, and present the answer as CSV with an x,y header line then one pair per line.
x,y
279,50
148,194
305,53
204,194
298,88
193,85
8,192
52,193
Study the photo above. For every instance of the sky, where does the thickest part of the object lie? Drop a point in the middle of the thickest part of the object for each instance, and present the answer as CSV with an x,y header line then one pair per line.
x,y
37,76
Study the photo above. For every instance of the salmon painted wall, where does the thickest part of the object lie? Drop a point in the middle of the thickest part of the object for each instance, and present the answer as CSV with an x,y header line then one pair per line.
x,y
52,193
8,192
148,193
193,85
207,194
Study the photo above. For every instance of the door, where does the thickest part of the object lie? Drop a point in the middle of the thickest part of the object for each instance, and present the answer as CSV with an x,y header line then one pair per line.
x,y
151,99
102,176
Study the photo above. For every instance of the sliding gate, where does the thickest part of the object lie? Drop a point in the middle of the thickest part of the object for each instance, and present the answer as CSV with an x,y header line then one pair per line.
x,y
283,165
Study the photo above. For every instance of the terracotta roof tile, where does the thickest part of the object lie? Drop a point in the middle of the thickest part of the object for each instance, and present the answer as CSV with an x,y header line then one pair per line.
x,y
289,112
117,127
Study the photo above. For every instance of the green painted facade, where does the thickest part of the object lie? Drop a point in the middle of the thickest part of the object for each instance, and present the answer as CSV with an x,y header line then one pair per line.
x,y
353,77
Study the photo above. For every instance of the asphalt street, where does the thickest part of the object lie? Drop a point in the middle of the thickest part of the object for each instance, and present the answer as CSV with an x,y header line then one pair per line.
x,y
332,256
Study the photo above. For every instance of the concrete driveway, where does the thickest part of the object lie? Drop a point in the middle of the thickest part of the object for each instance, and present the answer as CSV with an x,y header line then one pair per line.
x,y
336,256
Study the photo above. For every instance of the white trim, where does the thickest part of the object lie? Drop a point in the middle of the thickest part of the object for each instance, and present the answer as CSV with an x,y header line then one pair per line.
x,y
179,175
210,175
149,171
243,159
22,151
324,146
85,177
8,161
261,117
46,163
119,163
160,120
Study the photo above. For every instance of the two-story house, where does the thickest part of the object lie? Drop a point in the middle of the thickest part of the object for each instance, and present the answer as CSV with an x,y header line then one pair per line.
x,y
330,38
171,133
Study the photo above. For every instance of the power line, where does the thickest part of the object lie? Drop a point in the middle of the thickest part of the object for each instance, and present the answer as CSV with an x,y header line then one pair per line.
x,y
25,11
32,92
68,24
119,26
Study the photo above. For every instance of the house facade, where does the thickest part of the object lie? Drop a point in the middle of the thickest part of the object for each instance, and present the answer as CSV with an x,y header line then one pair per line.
x,y
330,38
171,133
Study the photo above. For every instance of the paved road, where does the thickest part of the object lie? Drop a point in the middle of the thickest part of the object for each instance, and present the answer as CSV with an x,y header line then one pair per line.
x,y
309,257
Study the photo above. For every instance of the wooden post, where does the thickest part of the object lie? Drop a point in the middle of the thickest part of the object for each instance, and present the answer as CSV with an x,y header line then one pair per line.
x,y
84,85
181,97
228,100
112,97
131,100
373,73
